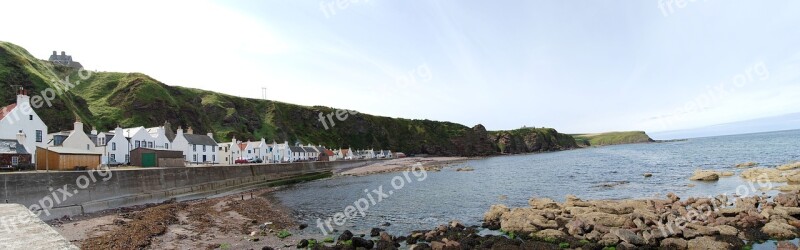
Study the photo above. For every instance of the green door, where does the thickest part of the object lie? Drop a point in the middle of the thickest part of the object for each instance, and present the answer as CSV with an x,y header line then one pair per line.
x,y
148,160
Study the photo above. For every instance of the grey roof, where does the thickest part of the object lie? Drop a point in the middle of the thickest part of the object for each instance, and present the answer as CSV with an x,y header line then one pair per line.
x,y
309,149
296,149
320,149
11,147
199,139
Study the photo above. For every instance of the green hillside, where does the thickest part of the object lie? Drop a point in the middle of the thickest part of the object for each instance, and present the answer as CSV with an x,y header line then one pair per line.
x,y
612,138
107,99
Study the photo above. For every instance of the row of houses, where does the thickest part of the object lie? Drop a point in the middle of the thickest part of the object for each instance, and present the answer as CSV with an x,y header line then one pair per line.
x,y
24,139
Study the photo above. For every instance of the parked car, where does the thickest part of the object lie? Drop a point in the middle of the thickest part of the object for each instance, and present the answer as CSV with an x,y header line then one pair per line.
x,y
255,160
116,164
241,161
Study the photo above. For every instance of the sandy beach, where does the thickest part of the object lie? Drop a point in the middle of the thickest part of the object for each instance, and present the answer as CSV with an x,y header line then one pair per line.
x,y
400,164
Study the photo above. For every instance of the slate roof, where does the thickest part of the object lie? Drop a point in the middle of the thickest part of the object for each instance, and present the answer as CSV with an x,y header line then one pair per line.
x,y
72,151
12,147
296,149
199,139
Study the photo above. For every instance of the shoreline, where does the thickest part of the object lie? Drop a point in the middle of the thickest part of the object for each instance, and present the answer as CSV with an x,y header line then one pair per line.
x,y
402,164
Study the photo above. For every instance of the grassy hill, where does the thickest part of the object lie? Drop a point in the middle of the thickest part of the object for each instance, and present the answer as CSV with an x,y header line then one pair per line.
x,y
107,99
612,138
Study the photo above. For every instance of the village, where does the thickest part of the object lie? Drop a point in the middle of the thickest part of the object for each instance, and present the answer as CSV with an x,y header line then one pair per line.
x,y
25,144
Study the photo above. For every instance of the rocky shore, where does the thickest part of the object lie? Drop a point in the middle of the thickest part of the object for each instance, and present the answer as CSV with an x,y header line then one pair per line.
x,y
403,164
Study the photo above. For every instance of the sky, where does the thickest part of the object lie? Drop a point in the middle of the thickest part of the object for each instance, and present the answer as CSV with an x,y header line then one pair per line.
x,y
577,66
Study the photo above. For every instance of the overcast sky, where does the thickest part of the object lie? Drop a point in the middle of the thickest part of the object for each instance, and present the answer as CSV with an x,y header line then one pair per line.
x,y
577,66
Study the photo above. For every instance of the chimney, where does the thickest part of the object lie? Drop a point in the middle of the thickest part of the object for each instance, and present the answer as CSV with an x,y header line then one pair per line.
x,y
21,137
94,131
55,53
180,131
63,53
233,139
118,131
210,135
78,126
22,98
189,130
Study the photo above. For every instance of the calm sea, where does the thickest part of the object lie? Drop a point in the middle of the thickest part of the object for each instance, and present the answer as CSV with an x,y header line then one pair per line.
x,y
612,172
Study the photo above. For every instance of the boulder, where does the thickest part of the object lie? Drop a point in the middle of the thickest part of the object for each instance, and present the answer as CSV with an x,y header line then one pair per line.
x,y
345,236
550,233
609,239
705,175
629,236
786,245
727,230
361,242
746,165
787,200
674,243
709,243
384,236
543,203
302,244
789,166
779,230
495,211
646,175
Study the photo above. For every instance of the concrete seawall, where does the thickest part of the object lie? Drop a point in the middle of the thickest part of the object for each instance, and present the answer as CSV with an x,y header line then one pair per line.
x,y
79,192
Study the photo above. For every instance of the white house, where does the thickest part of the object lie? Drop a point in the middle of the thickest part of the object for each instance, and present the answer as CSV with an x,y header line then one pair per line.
x,y
197,149
229,152
116,147
20,118
344,154
281,152
297,154
138,137
77,139
160,139
259,149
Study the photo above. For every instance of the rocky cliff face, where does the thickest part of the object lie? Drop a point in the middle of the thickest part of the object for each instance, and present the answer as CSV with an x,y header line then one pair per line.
x,y
527,140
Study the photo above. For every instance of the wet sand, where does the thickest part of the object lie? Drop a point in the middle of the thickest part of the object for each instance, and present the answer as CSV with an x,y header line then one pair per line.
x,y
402,164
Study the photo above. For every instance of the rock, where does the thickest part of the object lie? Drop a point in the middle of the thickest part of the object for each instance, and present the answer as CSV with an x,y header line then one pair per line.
x,y
267,248
704,175
346,235
361,242
575,227
543,203
302,244
375,232
730,212
746,165
708,243
726,173
386,224
594,236
550,233
457,225
674,243
465,169
442,228
648,175
384,236
787,200
789,166
786,245
437,245
419,246
628,236
303,226
612,208
764,174
609,240
495,211
779,230
727,230
673,198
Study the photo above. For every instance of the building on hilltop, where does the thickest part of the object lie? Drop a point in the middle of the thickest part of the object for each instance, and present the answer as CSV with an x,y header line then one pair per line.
x,y
64,60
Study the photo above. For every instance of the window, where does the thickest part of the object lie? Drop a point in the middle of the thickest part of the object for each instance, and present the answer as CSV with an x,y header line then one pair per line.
x,y
204,148
194,148
195,158
30,117
38,136
113,146
248,151
150,144
127,158
213,149
87,146
213,158
15,160
113,158
166,145
137,144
